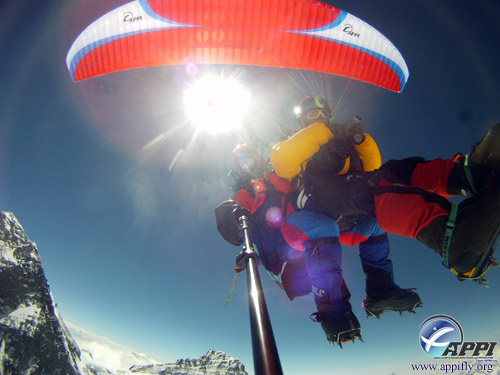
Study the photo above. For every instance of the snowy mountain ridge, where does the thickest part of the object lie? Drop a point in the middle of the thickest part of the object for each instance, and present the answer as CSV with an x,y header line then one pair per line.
x,y
212,363
35,340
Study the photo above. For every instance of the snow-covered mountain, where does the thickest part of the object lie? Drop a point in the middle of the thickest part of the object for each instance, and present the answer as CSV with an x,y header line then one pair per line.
x,y
33,335
34,339
212,363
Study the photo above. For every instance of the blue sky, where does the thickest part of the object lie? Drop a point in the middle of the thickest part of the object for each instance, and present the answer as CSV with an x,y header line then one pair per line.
x,y
131,249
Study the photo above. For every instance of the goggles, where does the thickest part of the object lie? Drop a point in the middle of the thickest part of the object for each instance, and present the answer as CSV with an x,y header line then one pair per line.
x,y
316,113
247,163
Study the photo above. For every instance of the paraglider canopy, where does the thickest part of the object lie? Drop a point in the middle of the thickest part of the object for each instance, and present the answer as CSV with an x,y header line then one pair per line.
x,y
298,34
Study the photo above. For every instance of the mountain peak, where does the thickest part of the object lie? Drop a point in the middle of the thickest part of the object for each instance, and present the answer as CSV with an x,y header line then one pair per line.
x,y
30,327
213,362
34,339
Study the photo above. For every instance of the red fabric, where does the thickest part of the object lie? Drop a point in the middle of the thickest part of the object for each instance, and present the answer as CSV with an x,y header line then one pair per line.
x,y
235,32
280,184
247,201
294,236
407,214
351,239
404,214
259,187
432,175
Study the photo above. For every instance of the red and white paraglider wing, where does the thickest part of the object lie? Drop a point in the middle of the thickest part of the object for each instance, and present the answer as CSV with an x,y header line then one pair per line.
x,y
354,49
298,34
124,38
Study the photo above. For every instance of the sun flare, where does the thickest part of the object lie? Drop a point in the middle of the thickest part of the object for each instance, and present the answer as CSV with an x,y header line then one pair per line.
x,y
215,104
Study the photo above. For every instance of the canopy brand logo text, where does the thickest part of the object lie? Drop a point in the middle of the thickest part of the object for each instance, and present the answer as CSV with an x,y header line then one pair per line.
x,y
129,17
348,29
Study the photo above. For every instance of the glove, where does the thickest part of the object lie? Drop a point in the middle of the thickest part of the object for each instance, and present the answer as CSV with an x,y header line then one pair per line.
x,y
331,157
355,130
338,130
226,223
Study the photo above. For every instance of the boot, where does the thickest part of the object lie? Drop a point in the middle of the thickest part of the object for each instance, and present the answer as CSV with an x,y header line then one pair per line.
x,y
467,243
472,173
379,283
382,294
339,328
404,300
487,152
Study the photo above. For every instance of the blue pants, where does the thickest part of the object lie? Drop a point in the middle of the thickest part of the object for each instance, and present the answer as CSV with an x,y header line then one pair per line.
x,y
319,237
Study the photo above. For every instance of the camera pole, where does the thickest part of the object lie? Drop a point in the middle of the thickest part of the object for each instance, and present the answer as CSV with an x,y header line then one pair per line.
x,y
265,352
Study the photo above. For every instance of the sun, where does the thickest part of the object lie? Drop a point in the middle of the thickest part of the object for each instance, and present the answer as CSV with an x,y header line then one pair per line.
x,y
215,104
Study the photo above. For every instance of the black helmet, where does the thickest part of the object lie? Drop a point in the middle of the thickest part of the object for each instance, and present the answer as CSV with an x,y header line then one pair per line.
x,y
248,161
310,103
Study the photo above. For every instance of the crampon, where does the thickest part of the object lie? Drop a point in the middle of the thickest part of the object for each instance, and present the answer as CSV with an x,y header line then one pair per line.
x,y
477,274
407,300
339,328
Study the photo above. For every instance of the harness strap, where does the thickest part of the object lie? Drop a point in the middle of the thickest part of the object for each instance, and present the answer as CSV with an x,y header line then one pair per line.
x,y
427,196
468,174
312,245
450,226
372,239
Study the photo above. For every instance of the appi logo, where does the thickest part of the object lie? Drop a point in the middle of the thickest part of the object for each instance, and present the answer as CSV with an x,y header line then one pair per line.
x,y
437,332
441,336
